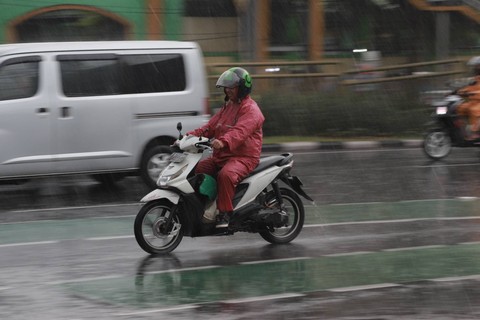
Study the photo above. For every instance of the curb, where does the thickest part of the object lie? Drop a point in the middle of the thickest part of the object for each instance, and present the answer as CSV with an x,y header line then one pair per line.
x,y
346,145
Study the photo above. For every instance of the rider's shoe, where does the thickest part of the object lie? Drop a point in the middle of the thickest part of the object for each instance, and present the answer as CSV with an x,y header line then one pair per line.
x,y
223,219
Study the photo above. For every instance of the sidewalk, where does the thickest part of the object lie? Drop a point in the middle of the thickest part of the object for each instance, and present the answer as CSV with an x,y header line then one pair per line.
x,y
342,145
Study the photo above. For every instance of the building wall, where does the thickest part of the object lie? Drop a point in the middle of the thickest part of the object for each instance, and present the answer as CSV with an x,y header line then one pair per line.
x,y
143,19
127,12
215,36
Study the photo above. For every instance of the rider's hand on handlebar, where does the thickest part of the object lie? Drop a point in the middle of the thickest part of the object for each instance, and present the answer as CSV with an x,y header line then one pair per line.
x,y
217,144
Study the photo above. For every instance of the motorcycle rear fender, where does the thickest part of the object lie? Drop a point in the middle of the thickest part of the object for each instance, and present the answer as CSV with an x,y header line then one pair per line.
x,y
295,183
161,194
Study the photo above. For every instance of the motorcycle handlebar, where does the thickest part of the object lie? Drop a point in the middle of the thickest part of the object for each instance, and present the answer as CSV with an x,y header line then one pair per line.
x,y
204,145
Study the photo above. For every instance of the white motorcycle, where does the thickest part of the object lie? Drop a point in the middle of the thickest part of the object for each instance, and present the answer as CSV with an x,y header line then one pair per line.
x,y
184,203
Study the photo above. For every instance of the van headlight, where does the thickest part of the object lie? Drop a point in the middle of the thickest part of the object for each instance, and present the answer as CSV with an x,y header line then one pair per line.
x,y
442,110
163,180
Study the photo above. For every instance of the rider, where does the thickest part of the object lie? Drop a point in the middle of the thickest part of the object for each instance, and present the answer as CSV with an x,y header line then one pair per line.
x,y
237,132
471,107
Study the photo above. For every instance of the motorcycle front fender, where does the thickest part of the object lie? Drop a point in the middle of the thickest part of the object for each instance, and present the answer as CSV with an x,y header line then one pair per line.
x,y
161,194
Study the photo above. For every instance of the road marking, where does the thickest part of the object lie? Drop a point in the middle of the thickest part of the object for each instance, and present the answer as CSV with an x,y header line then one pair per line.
x,y
232,301
460,278
389,221
446,165
57,220
26,244
292,295
108,238
347,254
471,242
181,270
467,198
5,288
113,276
264,298
78,207
365,287
414,248
275,260
177,308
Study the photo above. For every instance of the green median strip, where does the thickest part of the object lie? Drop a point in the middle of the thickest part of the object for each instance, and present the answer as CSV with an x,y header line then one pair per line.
x,y
423,209
321,214
65,229
164,290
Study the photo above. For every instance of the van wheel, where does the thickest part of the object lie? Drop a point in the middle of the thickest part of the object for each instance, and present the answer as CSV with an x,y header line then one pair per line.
x,y
153,162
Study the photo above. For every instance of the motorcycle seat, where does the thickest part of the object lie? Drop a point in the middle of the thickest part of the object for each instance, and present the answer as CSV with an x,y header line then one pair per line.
x,y
270,161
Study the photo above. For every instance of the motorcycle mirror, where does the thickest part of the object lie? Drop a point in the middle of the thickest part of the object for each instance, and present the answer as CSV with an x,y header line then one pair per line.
x,y
179,128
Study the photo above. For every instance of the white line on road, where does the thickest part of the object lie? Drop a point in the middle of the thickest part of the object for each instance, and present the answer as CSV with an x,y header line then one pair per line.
x,y
177,308
232,301
435,246
275,260
354,253
181,270
108,238
79,207
264,298
459,278
112,276
390,221
365,287
470,242
26,244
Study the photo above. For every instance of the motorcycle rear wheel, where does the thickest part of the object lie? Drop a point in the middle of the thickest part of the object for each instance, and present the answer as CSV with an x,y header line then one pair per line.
x,y
295,210
437,144
152,233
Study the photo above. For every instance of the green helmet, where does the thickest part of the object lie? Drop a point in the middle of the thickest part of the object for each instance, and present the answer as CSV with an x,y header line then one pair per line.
x,y
236,77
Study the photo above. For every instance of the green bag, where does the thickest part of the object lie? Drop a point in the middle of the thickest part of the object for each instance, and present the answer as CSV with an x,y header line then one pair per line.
x,y
208,187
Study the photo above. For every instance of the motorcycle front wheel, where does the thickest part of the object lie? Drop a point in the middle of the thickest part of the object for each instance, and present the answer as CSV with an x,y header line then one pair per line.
x,y
296,216
437,144
153,232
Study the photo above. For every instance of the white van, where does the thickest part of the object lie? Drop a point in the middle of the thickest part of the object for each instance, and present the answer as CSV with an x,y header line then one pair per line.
x,y
101,108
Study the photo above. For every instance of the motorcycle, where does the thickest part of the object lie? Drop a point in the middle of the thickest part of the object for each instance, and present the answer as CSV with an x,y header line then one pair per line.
x,y
447,129
184,203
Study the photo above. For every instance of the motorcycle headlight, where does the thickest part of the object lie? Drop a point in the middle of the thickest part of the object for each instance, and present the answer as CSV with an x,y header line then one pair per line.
x,y
163,180
442,110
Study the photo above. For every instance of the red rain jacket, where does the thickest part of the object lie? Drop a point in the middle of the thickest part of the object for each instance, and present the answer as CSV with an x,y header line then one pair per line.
x,y
239,127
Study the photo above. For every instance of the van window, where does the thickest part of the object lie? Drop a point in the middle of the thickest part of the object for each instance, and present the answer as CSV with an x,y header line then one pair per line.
x,y
91,77
19,78
155,73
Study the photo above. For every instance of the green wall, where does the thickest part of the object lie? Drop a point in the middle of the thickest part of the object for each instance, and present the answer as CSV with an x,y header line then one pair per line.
x,y
173,19
132,11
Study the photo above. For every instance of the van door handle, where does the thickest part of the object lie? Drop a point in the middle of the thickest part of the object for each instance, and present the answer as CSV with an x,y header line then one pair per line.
x,y
65,112
42,110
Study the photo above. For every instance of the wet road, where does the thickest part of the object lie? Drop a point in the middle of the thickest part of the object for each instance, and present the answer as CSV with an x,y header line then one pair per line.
x,y
390,236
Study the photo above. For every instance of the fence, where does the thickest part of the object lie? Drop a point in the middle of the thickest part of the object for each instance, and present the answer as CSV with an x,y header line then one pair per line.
x,y
326,98
337,73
